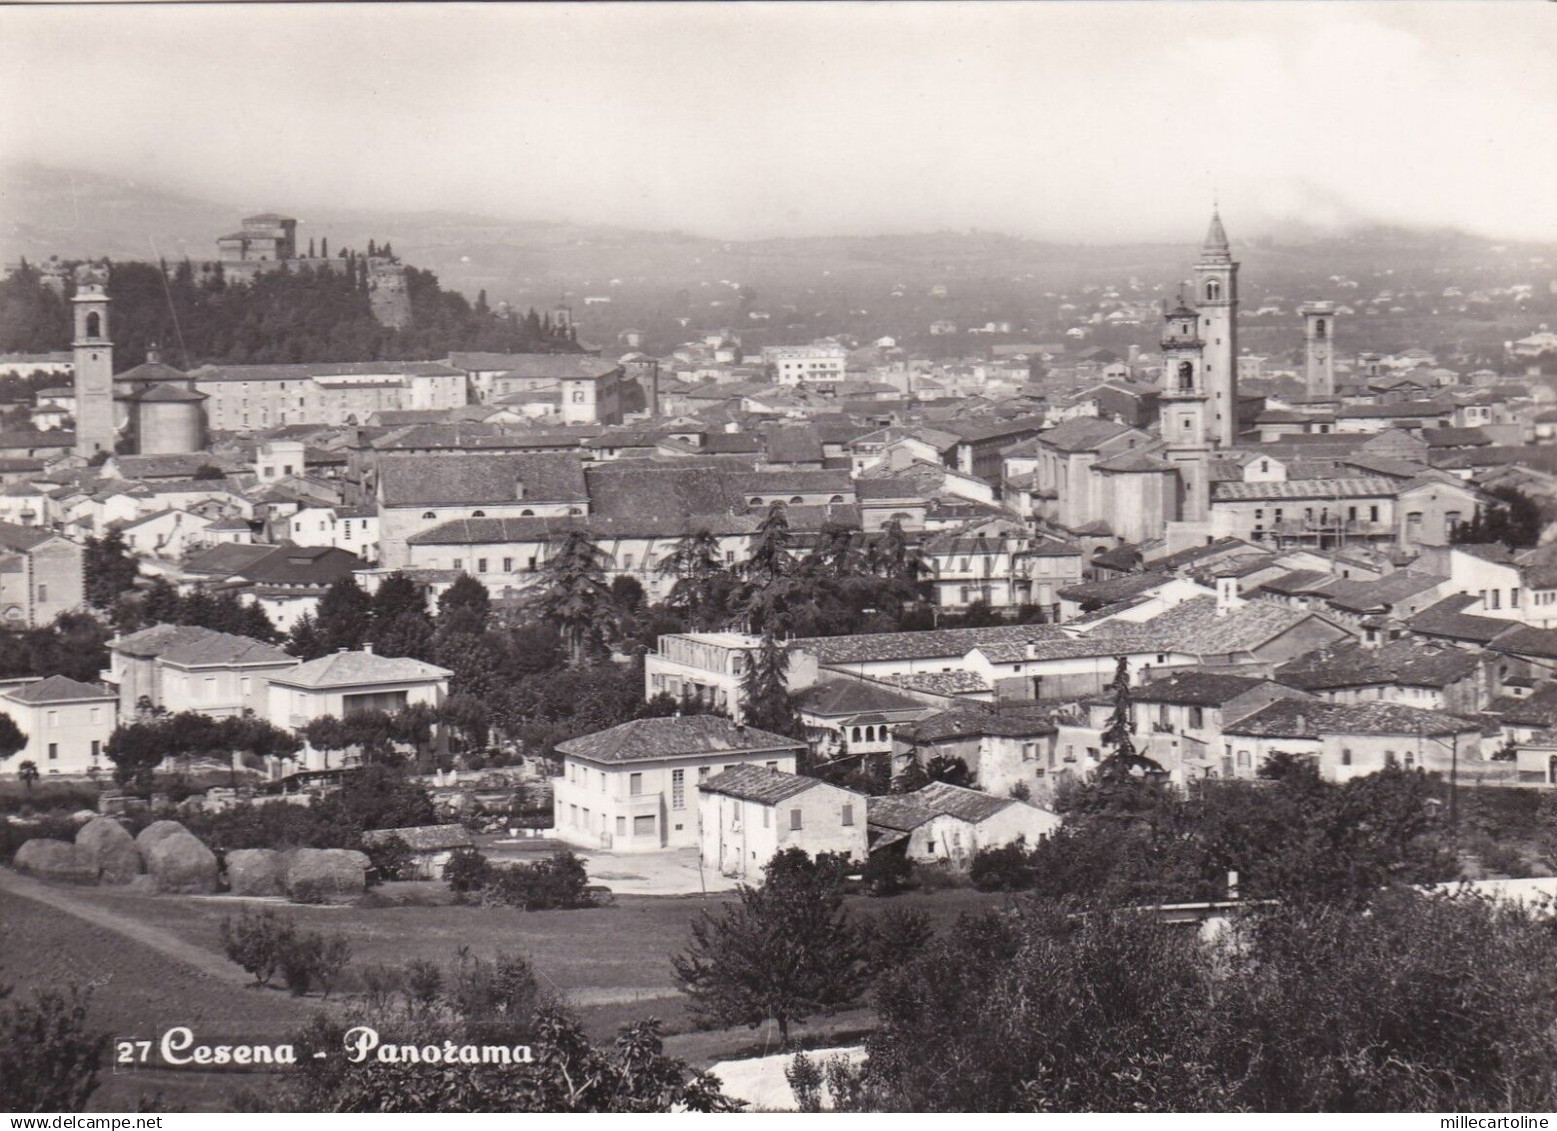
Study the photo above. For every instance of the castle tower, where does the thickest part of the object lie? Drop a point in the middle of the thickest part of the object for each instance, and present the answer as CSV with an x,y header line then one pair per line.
x,y
94,362
1216,294
1319,347
1182,405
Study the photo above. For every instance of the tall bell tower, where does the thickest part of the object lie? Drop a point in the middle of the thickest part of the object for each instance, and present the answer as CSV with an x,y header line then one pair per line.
x,y
1182,404
1319,347
1216,295
94,362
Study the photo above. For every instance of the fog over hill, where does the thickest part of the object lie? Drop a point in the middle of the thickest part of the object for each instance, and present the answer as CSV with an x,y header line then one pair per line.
x,y
55,211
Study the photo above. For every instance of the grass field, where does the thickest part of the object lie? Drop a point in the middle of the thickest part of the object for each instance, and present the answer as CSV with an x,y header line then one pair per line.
x,y
612,963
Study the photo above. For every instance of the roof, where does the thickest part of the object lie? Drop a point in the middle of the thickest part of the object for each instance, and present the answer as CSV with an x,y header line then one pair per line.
x,y
1446,619
1407,663
684,736
875,646
1082,434
851,697
466,480
758,783
58,689
147,371
23,538
1527,641
534,365
1349,487
227,560
1363,596
1116,588
940,683
907,811
352,669
1196,688
300,565
168,394
1303,718
971,721
1194,626
308,370
194,646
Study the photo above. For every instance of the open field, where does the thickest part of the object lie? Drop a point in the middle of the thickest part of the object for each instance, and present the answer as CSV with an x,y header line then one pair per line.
x,y
612,963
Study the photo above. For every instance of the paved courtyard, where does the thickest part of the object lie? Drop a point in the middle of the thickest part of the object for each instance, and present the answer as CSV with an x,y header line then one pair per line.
x,y
677,871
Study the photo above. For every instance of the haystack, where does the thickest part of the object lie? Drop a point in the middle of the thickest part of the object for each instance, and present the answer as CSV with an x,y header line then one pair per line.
x,y
332,873
181,864
255,871
154,832
56,860
111,849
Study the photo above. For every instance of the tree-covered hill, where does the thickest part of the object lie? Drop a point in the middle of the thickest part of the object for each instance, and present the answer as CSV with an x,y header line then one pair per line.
x,y
288,316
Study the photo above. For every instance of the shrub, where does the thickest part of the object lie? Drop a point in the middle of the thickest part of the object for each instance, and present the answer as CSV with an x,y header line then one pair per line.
x,y
310,892
389,859
887,873
48,1058
256,941
1007,868
466,871
313,960
556,882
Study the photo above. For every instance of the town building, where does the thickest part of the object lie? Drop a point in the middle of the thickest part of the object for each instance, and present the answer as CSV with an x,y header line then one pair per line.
x,y
750,813
248,398
67,724
42,574
176,668
345,683
634,787
948,825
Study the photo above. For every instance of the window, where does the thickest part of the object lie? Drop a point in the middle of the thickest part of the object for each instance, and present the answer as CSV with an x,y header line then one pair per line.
x,y
459,563
481,565
635,784
766,820
643,825
627,561
794,819
508,565
1197,717
621,826
97,749
702,773
772,765
1243,759
573,815
1513,597
1346,756
429,514
54,757
848,816
43,592
678,789
578,396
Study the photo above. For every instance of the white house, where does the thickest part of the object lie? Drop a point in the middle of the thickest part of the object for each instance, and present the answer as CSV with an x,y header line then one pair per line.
x,y
633,788
168,534
345,683
948,824
750,813
67,724
353,529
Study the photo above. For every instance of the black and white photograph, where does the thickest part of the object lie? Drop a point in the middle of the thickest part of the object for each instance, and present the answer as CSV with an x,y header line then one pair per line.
x,y
778,557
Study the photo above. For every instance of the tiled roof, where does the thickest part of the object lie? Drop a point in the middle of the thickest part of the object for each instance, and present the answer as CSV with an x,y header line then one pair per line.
x,y
645,740
23,538
58,689
146,371
1527,641
1194,627
194,645
940,683
757,783
1404,663
976,431
1456,438
471,480
425,838
1137,461
1446,619
907,811
1079,434
970,721
1300,581
1301,718
1195,688
1341,488
1407,409
301,565
1538,709
1366,596
941,642
1222,547
354,669
307,370
1116,588
227,560
852,696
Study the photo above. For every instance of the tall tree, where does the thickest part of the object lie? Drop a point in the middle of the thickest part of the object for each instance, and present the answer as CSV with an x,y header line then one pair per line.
x,y
464,606
1123,761
12,738
574,596
784,952
765,699
701,582
770,591
305,641
345,615
110,569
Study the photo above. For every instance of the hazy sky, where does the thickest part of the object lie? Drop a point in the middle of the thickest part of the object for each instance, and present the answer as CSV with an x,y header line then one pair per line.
x,y
1096,121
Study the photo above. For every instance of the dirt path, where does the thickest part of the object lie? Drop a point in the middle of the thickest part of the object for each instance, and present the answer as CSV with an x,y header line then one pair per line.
x,y
61,899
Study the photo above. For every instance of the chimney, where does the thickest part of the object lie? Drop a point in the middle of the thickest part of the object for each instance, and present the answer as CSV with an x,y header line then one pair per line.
x,y
153,354
1232,886
1302,724
654,389
368,648
1226,595
1032,651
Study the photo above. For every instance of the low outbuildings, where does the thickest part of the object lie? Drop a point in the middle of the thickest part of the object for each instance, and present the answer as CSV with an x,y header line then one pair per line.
x,y
431,846
947,824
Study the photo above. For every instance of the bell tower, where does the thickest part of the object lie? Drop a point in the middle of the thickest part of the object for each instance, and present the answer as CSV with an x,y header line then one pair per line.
x,y
1319,347
1182,405
1216,295
94,362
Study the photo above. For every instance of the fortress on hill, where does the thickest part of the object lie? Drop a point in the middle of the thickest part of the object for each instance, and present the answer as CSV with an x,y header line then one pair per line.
x,y
268,242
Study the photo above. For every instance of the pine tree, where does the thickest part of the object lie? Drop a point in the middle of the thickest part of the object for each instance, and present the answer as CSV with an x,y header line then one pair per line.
x,y
310,247
110,569
1123,762
574,596
344,616
324,247
765,699
769,590
695,564
305,641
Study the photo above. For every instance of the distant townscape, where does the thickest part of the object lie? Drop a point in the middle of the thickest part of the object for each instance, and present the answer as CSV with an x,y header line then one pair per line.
x,y
316,577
